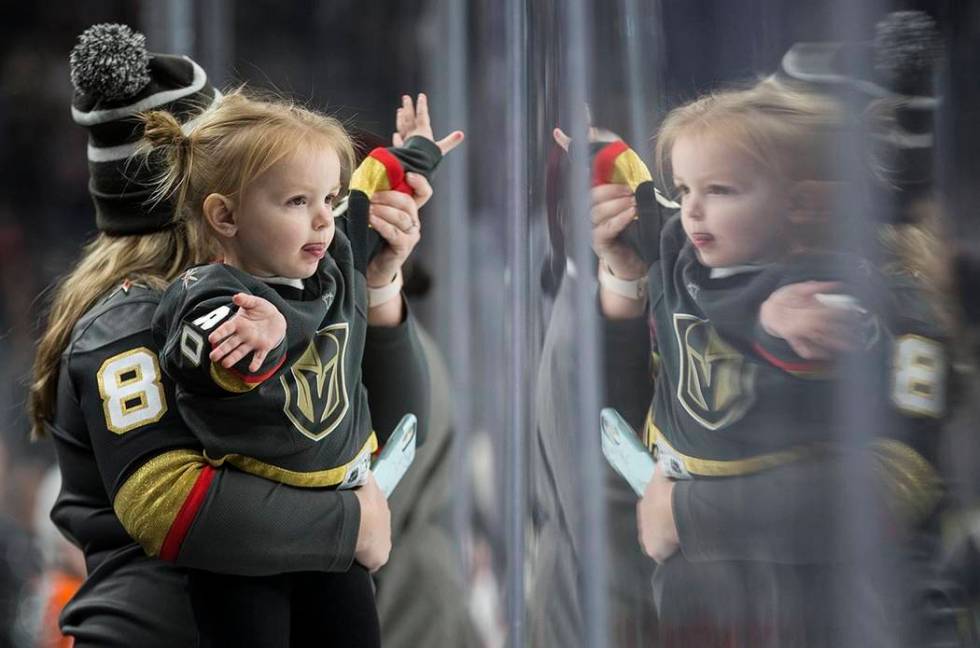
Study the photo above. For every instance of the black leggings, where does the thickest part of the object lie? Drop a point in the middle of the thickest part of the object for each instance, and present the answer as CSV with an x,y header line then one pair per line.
x,y
297,610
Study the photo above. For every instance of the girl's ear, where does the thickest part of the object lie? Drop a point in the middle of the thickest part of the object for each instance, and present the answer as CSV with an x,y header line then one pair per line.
x,y
220,215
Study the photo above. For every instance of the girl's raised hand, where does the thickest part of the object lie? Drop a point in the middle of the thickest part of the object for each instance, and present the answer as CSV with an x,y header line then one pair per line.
x,y
413,120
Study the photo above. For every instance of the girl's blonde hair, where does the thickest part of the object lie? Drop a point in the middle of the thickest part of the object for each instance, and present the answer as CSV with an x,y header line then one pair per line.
x,y
153,259
230,146
789,132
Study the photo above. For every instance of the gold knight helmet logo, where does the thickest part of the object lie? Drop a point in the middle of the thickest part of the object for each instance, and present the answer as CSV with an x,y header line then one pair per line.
x,y
316,385
716,384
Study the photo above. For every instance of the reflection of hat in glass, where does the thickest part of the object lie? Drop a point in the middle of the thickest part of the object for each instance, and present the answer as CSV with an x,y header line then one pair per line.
x,y
893,77
115,79
901,60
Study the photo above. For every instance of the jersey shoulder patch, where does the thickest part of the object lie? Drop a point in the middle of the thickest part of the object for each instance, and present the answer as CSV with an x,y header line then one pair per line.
x,y
118,315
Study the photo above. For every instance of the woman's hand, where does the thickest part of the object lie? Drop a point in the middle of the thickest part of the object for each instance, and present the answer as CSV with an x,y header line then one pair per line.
x,y
374,531
613,209
655,519
395,217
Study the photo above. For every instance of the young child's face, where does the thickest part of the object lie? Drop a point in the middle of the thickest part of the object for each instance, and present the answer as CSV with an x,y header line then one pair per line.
x,y
732,210
285,216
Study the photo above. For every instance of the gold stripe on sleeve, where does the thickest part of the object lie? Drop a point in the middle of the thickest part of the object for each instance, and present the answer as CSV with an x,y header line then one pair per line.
x,y
732,467
229,380
913,486
312,479
149,501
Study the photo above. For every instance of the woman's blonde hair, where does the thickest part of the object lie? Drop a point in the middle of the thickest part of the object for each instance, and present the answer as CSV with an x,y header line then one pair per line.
x,y
153,259
230,146
789,132
919,249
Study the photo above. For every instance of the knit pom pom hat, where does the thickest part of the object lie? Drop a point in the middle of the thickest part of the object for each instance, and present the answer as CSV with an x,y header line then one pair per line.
x,y
115,80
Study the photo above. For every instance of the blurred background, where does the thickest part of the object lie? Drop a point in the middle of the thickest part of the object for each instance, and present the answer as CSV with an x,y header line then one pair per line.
x,y
510,518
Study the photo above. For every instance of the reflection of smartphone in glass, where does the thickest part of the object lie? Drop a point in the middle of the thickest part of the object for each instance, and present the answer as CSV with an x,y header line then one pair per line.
x,y
624,451
396,456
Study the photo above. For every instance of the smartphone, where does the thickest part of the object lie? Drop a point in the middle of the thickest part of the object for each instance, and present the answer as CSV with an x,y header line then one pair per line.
x,y
396,456
624,451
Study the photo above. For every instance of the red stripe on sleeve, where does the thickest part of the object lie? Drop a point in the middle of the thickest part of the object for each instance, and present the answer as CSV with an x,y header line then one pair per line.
x,y
254,379
791,367
182,523
396,174
605,161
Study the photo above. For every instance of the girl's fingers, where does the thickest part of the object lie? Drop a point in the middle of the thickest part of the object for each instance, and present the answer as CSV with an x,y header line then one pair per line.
x,y
257,359
836,343
818,347
226,347
804,349
834,325
244,300
231,343
828,344
451,141
408,109
814,287
397,141
561,139
422,111
402,122
223,331
844,337
240,352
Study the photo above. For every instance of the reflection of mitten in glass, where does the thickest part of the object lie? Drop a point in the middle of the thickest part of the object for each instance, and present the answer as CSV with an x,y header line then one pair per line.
x,y
616,163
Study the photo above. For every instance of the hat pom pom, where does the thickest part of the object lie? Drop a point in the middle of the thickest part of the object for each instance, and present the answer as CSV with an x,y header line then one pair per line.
x,y
906,42
110,62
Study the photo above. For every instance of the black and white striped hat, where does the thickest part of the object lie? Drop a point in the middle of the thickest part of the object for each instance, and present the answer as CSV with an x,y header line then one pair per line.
x,y
898,68
115,79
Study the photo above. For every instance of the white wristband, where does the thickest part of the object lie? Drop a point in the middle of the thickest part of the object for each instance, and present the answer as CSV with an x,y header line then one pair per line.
x,y
635,289
378,296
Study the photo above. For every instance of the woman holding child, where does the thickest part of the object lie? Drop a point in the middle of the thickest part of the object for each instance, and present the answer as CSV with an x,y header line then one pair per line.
x,y
750,306
131,466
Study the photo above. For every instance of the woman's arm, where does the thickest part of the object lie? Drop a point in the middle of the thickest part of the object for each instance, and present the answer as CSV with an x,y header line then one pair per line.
x,y
165,493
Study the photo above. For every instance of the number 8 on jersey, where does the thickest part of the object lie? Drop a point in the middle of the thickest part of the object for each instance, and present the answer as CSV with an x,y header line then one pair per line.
x,y
132,396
